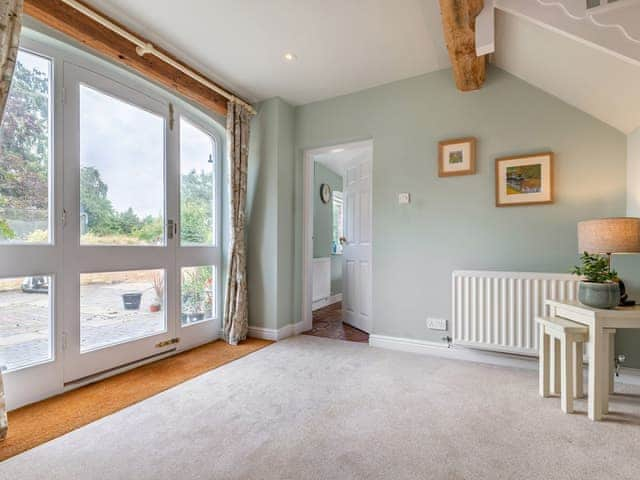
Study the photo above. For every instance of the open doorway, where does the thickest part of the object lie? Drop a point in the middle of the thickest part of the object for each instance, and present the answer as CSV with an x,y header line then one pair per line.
x,y
337,247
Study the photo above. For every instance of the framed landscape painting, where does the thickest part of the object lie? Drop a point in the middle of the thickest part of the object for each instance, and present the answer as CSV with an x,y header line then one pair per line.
x,y
524,180
457,157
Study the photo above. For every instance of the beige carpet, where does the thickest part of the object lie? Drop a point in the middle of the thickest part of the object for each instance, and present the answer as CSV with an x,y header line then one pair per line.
x,y
43,421
314,408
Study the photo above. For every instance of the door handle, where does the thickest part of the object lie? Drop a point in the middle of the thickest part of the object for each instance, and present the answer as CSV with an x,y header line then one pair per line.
x,y
172,229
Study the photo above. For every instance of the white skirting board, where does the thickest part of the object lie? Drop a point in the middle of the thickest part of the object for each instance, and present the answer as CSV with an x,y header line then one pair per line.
x,y
325,302
629,376
276,333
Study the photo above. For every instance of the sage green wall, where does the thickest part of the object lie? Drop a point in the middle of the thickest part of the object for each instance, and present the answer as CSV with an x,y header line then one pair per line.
x,y
452,223
323,223
270,215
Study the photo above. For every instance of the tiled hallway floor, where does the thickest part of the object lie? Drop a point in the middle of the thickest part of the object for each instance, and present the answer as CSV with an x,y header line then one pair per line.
x,y
327,322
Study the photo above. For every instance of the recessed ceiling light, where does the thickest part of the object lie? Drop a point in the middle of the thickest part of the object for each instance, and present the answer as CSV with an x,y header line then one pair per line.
x,y
337,150
290,57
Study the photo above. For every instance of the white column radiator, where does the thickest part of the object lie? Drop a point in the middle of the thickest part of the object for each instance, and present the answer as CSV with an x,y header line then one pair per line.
x,y
497,310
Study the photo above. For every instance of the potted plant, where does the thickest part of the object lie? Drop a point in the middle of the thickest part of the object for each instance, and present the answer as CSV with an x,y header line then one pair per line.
x,y
600,288
158,288
131,300
197,298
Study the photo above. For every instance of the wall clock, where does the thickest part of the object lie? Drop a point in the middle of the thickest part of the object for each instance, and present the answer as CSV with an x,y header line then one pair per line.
x,y
325,193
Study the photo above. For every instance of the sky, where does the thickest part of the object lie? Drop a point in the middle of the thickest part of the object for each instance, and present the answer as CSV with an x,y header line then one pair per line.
x,y
126,144
31,61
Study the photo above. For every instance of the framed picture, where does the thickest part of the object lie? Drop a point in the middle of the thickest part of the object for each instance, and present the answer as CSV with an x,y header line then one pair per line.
x,y
457,157
524,180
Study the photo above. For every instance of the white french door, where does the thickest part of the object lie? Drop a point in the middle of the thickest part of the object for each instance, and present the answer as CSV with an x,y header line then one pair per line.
x,y
119,228
110,224
356,249
141,234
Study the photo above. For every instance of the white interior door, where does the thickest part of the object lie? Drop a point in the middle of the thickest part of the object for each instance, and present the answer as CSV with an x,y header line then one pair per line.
x,y
356,266
119,233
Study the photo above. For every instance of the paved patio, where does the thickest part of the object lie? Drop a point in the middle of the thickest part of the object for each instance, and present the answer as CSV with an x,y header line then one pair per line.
x,y
24,321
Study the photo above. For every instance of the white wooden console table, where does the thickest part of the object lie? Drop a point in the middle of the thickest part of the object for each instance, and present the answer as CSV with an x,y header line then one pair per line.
x,y
597,320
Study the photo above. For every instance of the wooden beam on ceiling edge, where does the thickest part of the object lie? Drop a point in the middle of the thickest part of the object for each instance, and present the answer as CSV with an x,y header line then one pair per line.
x,y
63,18
458,25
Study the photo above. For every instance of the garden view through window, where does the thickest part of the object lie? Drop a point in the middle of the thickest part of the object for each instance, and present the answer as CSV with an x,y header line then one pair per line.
x,y
117,307
25,321
25,146
197,161
198,294
122,151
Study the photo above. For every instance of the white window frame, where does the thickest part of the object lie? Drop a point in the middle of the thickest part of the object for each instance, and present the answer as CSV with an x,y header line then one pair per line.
x,y
35,382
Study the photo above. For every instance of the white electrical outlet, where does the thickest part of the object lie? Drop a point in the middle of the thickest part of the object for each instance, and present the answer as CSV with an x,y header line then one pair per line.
x,y
404,198
436,324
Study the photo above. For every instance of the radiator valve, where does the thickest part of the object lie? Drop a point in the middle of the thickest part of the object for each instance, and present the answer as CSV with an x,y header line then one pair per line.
x,y
447,339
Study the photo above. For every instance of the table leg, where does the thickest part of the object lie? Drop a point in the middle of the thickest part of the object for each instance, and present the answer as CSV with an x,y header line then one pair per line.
x,y
595,373
566,396
556,366
544,366
605,367
612,363
578,362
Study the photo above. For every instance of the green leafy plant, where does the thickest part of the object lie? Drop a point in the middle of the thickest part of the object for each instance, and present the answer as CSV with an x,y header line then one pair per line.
x,y
5,230
595,268
197,290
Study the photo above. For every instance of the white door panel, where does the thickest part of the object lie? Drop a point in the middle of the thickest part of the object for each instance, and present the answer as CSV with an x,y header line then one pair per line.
x,y
357,247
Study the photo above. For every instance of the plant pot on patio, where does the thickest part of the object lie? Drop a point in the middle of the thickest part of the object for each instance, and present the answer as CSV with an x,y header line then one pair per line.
x,y
131,301
192,317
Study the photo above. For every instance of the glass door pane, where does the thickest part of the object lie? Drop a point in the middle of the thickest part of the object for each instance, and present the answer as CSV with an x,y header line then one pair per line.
x,y
25,160
121,172
197,186
25,322
198,289
117,307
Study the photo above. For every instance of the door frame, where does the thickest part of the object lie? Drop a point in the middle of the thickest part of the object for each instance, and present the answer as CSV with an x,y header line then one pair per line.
x,y
307,225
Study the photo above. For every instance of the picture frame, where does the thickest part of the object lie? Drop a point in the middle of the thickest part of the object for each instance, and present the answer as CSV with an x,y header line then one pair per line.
x,y
457,157
525,180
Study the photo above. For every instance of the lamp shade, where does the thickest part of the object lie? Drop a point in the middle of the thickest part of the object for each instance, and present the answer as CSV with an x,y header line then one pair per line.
x,y
609,235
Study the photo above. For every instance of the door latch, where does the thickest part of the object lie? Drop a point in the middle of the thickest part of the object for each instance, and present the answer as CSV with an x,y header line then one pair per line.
x,y
172,229
167,342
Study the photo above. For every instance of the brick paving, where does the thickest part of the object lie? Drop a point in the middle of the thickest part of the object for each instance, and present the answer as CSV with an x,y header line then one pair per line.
x,y
24,321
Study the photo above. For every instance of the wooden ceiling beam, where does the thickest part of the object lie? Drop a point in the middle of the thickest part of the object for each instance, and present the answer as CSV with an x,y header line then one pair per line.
x,y
63,18
458,25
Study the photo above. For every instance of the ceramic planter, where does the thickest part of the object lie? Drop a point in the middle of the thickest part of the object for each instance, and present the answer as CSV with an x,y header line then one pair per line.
x,y
599,295
131,301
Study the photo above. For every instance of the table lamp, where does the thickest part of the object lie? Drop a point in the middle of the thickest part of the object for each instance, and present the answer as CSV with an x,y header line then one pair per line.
x,y
606,236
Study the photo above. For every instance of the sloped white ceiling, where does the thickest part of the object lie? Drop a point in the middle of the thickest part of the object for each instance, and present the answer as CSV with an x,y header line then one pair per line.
x,y
345,46
342,45
586,77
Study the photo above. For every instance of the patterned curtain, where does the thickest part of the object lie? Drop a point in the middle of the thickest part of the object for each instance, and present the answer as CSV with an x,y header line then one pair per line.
x,y
10,24
236,311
